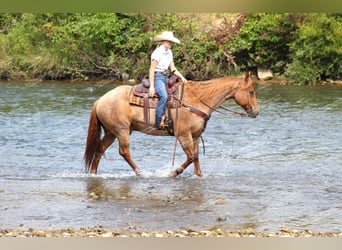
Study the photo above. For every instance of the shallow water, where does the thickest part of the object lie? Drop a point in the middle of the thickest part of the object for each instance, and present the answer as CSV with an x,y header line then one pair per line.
x,y
282,169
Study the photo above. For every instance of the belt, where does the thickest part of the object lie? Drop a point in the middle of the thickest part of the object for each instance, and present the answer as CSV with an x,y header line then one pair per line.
x,y
160,73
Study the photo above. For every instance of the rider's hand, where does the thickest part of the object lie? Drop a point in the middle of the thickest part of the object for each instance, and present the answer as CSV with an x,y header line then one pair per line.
x,y
152,91
183,79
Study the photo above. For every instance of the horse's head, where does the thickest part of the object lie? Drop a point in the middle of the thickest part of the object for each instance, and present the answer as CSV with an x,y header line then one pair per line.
x,y
245,96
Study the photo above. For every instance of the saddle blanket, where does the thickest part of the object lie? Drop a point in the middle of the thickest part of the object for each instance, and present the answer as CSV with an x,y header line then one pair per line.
x,y
139,92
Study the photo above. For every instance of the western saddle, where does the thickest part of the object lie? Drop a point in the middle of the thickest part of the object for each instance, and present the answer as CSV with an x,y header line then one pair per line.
x,y
140,96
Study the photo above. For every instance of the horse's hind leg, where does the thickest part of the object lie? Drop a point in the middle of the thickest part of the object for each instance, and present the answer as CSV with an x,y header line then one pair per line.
x,y
125,152
106,141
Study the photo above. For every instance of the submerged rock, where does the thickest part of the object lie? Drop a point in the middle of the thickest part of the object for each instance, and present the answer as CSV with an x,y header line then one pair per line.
x,y
220,201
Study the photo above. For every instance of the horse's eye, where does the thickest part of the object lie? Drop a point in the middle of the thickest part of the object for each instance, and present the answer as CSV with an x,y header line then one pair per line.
x,y
251,92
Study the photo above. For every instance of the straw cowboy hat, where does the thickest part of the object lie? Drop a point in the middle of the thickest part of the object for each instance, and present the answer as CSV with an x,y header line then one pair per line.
x,y
166,36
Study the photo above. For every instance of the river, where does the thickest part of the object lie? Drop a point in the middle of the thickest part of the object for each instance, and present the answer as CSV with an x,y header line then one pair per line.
x,y
282,169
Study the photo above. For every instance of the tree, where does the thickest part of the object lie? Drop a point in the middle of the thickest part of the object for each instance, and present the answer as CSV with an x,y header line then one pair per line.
x,y
263,41
316,51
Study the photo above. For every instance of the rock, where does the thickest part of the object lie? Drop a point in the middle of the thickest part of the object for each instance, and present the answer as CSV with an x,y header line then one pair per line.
x,y
179,235
40,233
285,230
265,74
71,230
205,232
9,234
107,235
185,232
143,234
191,230
65,234
91,234
220,202
124,77
93,196
194,234
250,231
169,232
116,233
234,235
221,218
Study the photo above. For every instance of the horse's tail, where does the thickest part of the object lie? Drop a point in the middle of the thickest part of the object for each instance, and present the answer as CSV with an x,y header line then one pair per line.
x,y
93,146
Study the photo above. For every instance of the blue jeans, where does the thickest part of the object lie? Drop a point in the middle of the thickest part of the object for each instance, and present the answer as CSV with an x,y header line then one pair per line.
x,y
159,85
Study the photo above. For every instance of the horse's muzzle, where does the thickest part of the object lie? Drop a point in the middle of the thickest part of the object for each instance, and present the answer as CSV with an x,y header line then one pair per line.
x,y
253,113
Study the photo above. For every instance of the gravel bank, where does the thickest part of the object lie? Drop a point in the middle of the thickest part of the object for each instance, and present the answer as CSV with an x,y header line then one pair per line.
x,y
216,232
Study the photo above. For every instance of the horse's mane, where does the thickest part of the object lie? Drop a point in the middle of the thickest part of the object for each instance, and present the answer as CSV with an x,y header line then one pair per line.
x,y
203,89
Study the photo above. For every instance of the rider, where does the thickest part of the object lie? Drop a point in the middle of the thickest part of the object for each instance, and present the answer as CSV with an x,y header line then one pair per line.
x,y
161,60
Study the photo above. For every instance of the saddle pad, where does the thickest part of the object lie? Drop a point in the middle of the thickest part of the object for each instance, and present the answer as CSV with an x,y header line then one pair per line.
x,y
139,101
152,101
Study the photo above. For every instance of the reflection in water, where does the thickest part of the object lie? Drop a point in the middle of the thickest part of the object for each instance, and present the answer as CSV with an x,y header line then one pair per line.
x,y
190,191
97,190
139,201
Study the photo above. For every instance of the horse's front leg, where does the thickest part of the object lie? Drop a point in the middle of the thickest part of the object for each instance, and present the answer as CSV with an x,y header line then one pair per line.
x,y
190,148
197,168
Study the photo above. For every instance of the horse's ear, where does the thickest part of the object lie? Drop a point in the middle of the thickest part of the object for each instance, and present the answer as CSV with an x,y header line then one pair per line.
x,y
247,76
248,81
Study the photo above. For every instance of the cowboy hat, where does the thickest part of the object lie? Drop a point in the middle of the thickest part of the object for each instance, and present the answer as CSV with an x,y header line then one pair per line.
x,y
166,36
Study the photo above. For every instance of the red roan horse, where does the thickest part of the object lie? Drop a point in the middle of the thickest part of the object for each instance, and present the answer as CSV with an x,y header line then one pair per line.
x,y
118,118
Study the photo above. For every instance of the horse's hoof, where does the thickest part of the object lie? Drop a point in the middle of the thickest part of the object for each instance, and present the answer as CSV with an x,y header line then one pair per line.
x,y
173,174
138,172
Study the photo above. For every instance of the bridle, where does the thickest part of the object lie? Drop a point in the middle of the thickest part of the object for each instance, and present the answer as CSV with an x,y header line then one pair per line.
x,y
230,110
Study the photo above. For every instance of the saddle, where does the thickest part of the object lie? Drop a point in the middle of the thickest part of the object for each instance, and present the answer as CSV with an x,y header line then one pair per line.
x,y
142,90
140,96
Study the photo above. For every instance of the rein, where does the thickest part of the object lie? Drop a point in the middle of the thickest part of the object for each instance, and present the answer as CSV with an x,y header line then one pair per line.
x,y
227,109
194,110
234,112
177,117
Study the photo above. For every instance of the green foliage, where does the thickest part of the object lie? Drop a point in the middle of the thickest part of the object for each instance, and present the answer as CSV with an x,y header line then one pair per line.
x,y
263,41
317,49
105,45
69,45
58,46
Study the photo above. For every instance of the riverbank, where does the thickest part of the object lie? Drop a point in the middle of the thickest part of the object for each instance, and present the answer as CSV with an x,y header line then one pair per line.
x,y
215,232
282,81
274,80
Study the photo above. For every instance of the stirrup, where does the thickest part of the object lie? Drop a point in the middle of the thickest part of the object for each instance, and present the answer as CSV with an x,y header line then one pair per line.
x,y
160,127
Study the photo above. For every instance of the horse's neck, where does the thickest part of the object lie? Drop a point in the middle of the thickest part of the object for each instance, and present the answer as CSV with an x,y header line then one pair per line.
x,y
210,93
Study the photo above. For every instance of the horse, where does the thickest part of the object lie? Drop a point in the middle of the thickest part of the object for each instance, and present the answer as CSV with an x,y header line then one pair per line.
x,y
118,118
